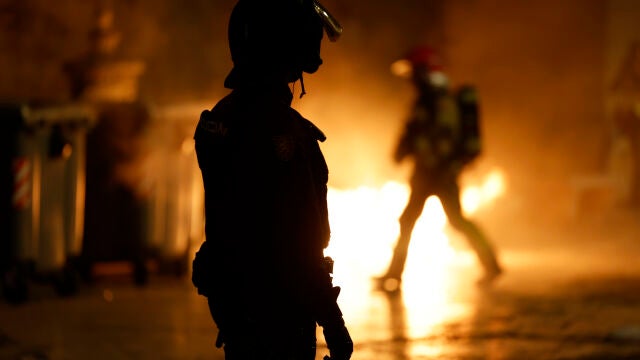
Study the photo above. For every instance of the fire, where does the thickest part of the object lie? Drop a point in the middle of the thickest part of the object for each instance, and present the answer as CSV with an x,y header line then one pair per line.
x,y
364,229
473,197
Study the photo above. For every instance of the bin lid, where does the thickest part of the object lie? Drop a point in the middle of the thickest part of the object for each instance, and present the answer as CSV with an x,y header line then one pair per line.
x,y
47,114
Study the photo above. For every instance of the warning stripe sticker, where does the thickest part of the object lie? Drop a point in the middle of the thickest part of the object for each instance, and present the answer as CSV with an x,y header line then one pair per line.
x,y
21,183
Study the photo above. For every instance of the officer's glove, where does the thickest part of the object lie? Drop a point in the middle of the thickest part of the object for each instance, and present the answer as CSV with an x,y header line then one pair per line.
x,y
338,340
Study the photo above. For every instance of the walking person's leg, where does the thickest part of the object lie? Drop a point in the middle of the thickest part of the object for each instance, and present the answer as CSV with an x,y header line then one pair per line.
x,y
411,213
450,198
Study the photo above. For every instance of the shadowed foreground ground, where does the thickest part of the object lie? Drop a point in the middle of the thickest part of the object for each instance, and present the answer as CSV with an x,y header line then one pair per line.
x,y
573,299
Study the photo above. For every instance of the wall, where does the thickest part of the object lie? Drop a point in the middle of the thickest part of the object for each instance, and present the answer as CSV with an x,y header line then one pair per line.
x,y
539,67
184,46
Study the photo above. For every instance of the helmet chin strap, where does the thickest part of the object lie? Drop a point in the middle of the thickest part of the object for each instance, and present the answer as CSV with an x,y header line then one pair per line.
x,y
302,92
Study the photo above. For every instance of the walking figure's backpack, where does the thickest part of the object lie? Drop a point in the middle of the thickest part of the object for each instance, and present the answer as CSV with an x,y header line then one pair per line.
x,y
470,144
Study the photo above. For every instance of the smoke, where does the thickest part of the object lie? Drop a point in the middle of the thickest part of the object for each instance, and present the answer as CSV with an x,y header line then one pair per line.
x,y
356,99
539,71
183,44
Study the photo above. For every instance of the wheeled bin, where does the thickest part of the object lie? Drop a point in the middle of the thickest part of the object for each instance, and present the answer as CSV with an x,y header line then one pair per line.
x,y
43,183
175,220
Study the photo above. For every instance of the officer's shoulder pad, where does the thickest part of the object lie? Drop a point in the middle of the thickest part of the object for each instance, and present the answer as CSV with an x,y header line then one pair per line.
x,y
205,115
317,133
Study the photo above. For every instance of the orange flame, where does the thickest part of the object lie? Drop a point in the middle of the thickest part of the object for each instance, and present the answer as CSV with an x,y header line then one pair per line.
x,y
364,228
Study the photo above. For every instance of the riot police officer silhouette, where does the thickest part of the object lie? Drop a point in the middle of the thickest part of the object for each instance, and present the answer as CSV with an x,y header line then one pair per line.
x,y
441,136
262,266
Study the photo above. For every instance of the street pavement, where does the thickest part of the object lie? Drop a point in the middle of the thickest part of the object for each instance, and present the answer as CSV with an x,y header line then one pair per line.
x,y
574,294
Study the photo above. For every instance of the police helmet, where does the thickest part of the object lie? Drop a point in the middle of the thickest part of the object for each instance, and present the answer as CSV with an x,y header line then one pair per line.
x,y
277,37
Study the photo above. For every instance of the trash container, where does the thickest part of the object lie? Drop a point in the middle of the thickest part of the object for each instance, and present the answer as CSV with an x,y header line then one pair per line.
x,y
175,221
43,164
117,192
145,199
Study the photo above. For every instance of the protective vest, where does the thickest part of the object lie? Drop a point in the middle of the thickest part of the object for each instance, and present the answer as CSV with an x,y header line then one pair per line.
x,y
443,130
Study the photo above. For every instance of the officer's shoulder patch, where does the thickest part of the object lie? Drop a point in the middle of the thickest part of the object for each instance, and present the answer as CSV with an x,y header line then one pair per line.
x,y
284,147
212,125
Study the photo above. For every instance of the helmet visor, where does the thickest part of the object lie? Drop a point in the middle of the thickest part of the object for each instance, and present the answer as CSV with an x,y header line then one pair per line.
x,y
330,24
